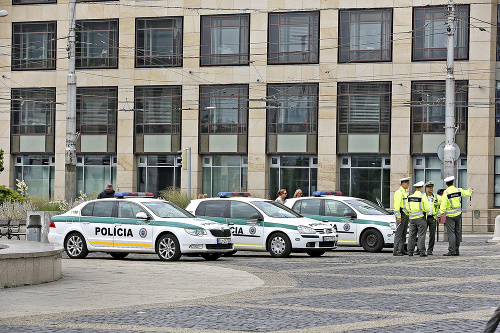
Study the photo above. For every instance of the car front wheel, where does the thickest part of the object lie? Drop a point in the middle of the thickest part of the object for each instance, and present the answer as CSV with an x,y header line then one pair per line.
x,y
279,245
75,246
168,248
372,241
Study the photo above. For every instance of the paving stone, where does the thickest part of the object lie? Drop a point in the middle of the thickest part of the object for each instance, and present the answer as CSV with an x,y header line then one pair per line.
x,y
451,325
48,329
227,318
404,302
336,282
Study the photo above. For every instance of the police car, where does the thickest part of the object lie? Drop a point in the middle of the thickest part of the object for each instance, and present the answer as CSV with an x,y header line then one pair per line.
x,y
137,222
264,225
357,221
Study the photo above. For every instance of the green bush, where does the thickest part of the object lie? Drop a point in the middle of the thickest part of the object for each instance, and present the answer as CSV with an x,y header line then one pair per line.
x,y
6,194
43,203
176,196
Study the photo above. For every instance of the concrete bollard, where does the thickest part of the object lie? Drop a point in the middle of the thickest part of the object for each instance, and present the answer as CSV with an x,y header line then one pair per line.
x,y
496,235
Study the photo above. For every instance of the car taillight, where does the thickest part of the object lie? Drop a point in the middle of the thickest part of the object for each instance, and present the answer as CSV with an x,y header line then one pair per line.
x,y
52,224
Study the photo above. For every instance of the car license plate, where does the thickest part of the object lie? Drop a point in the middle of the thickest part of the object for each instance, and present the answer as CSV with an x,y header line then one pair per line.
x,y
328,238
223,240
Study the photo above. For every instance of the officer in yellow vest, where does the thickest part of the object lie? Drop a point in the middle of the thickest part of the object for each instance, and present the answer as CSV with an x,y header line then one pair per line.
x,y
451,205
401,213
417,206
435,202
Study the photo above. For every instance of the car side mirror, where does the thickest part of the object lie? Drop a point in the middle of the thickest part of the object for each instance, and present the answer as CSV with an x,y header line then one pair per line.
x,y
351,215
257,218
141,215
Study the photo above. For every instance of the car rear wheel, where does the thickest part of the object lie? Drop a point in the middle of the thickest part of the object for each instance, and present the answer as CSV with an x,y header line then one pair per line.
x,y
372,241
279,245
316,253
168,248
118,255
211,256
76,246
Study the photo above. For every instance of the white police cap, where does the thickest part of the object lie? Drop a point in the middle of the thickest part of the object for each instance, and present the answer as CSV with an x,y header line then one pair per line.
x,y
406,179
429,184
419,184
449,179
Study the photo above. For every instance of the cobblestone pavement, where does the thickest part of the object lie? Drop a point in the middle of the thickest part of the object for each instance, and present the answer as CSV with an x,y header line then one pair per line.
x,y
344,291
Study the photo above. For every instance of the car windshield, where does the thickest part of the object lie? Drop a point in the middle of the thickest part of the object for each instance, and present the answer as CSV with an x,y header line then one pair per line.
x,y
274,209
367,207
166,209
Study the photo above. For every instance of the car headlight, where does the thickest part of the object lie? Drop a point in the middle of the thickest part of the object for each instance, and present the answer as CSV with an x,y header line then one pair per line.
x,y
196,232
305,229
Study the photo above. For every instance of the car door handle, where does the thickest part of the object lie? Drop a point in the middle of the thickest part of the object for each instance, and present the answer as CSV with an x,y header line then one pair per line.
x,y
82,222
141,222
326,221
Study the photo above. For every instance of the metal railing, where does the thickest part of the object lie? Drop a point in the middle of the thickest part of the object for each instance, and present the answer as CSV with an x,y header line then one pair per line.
x,y
480,219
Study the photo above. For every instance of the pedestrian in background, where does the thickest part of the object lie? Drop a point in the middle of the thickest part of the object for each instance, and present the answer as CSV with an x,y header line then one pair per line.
x,y
109,192
451,205
417,205
281,196
435,202
400,197
298,193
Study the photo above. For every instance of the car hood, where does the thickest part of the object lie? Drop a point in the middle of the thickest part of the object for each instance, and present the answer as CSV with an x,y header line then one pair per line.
x,y
189,223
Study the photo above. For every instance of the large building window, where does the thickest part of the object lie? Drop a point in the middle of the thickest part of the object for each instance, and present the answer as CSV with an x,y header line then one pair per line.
x,y
366,177
96,113
430,33
364,113
32,119
497,110
157,172
293,38
224,173
37,171
429,168
225,40
428,116
223,118
32,2
158,42
365,35
158,118
292,118
292,172
34,45
94,172
97,44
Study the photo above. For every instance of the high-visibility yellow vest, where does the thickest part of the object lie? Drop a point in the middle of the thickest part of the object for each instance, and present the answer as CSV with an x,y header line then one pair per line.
x,y
450,201
400,197
417,205
436,203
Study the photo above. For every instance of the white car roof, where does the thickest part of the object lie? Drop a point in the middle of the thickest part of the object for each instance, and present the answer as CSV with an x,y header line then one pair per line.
x,y
243,199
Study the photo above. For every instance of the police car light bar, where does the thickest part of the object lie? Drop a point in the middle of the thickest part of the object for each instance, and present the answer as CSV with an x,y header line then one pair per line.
x,y
133,194
233,194
320,193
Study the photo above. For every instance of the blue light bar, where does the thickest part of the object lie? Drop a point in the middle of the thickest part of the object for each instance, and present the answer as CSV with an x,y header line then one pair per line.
x,y
233,194
320,193
133,194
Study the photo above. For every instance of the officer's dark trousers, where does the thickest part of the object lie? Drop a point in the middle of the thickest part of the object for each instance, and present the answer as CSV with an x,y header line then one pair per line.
x,y
418,228
400,234
454,230
492,324
431,224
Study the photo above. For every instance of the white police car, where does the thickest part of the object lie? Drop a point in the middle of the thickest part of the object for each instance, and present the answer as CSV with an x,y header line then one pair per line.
x,y
264,225
357,221
131,223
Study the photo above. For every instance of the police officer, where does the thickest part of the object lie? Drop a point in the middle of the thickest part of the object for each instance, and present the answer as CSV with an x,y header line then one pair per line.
x,y
451,205
417,205
400,197
435,202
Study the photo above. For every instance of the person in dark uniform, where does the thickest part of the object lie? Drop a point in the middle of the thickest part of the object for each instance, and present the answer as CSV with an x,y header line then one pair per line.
x,y
109,192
